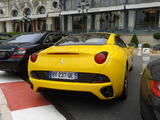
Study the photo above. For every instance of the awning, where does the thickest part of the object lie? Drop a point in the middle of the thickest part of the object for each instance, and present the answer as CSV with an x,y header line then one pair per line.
x,y
93,10
5,19
52,14
143,5
39,16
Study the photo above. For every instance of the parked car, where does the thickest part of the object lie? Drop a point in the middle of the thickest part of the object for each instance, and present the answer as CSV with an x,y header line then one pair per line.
x,y
4,37
150,91
96,63
14,53
156,47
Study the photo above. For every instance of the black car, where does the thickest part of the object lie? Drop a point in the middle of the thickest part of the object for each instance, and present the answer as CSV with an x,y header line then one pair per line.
x,y
150,91
156,47
14,53
4,37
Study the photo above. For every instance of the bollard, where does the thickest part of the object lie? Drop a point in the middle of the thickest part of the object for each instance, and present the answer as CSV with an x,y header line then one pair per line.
x,y
145,58
139,50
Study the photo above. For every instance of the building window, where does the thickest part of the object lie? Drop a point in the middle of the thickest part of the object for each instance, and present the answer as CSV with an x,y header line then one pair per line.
x,y
55,4
16,26
147,18
42,24
27,11
109,21
42,10
1,12
78,25
14,13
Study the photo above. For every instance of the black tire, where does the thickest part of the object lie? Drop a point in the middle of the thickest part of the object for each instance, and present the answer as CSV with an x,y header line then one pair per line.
x,y
125,87
131,68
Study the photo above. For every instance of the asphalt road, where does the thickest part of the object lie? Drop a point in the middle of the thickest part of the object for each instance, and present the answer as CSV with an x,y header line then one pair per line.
x,y
84,108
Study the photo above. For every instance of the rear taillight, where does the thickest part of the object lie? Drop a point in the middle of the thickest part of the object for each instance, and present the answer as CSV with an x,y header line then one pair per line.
x,y
154,87
19,53
34,57
101,57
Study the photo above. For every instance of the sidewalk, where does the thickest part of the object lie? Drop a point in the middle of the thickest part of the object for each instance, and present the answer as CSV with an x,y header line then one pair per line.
x,y
19,102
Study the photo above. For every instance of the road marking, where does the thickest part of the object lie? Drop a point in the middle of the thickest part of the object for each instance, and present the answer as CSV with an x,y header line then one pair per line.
x,y
20,102
21,94
47,112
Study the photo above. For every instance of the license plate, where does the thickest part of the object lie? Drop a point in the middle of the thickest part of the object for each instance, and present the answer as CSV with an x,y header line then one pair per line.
x,y
63,75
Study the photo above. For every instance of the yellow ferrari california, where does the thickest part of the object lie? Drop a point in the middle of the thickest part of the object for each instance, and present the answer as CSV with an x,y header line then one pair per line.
x,y
95,63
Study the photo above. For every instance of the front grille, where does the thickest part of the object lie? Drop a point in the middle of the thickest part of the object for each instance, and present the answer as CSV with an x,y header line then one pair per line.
x,y
82,77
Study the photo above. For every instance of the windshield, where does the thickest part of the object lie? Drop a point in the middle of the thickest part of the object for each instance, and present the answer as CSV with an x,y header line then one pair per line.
x,y
84,39
28,38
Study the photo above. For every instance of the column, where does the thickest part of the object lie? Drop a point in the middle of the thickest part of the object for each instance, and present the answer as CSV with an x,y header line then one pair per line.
x,y
62,24
69,24
1,27
159,21
97,22
131,20
9,26
89,23
50,23
121,20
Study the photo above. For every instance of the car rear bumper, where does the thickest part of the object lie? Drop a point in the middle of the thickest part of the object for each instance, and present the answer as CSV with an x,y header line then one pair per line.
x,y
93,88
150,110
11,65
149,103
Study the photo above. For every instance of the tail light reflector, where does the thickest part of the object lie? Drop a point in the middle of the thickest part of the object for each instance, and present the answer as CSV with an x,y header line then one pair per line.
x,y
155,87
101,57
34,57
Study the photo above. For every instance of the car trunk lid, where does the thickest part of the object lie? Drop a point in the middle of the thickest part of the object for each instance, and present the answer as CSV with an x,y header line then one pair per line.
x,y
6,51
73,58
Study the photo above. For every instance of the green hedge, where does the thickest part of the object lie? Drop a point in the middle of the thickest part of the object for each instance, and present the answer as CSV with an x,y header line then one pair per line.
x,y
146,45
14,33
156,35
134,40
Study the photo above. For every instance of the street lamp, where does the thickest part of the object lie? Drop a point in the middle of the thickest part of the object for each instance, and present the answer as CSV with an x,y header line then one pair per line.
x,y
26,19
83,8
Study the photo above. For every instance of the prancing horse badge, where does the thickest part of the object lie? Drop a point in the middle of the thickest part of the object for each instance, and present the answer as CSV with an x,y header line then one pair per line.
x,y
62,61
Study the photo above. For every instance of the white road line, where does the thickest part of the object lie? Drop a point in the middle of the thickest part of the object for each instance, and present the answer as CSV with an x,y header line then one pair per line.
x,y
7,77
47,112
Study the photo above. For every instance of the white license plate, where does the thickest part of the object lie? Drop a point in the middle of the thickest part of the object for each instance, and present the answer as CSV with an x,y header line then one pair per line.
x,y
63,75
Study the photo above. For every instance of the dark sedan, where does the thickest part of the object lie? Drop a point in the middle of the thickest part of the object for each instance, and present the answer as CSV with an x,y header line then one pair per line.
x,y
14,53
150,92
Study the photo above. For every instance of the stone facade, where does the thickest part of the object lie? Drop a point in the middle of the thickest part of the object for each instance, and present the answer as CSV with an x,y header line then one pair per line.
x,y
36,14
63,15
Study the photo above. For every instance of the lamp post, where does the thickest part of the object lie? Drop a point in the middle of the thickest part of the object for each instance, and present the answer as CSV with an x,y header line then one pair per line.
x,y
26,19
83,8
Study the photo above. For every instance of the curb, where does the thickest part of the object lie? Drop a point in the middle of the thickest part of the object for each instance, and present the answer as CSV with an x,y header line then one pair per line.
x,y
5,113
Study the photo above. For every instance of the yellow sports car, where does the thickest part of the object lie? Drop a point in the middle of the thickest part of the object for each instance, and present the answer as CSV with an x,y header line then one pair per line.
x,y
95,63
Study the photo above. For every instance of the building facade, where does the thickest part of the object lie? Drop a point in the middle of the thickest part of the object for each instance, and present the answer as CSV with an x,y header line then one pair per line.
x,y
64,15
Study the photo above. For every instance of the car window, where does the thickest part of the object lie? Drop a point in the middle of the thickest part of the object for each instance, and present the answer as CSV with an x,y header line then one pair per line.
x,y
84,39
119,42
27,38
52,38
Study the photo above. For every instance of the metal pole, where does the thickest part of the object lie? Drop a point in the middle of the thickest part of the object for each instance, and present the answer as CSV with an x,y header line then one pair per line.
x,y
60,16
84,22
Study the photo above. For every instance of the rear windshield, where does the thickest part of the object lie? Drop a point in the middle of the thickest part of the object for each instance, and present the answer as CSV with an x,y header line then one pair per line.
x,y
28,38
84,39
